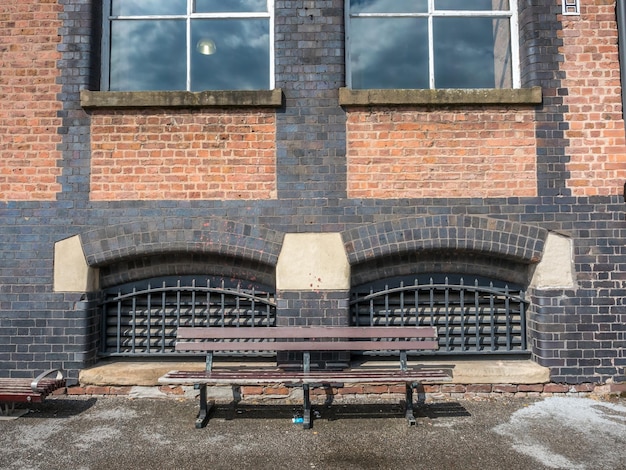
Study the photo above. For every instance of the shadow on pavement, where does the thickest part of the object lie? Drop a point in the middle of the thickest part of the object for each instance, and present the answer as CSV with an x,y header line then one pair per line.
x,y
336,412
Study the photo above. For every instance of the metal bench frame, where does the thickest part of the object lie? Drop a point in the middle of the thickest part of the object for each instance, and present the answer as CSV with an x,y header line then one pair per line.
x,y
17,390
397,340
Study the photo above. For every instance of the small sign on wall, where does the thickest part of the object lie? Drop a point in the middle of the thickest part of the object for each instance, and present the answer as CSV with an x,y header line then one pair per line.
x,y
571,7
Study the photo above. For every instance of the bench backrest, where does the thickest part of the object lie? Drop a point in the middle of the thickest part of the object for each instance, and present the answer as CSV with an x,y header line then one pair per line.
x,y
314,338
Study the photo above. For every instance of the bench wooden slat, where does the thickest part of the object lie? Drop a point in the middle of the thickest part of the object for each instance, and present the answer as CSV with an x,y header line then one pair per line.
x,y
266,377
22,390
306,346
307,332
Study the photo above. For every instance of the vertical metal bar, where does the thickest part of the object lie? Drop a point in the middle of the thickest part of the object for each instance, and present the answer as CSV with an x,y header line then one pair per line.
x,y
253,308
223,305
178,292
508,317
477,313
237,305
386,305
193,302
492,319
462,307
417,302
431,290
371,307
133,320
149,306
446,300
402,304
522,312
163,304
119,323
208,303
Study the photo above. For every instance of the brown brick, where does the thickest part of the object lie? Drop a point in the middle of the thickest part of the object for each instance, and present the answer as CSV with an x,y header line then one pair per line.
x,y
556,388
453,388
478,388
504,388
530,388
97,390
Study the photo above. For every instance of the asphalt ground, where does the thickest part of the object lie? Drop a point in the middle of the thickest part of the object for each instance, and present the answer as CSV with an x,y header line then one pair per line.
x,y
144,433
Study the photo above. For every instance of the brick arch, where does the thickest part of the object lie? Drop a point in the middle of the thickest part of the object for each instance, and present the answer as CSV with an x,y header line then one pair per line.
x,y
179,246
444,243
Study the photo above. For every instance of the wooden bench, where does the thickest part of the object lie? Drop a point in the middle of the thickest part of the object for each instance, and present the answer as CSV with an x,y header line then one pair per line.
x,y
399,341
14,391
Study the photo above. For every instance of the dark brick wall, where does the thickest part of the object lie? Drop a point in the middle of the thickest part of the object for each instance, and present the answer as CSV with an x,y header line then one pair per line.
x,y
579,332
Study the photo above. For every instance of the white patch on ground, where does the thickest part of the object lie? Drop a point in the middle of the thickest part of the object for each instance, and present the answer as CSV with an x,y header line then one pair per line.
x,y
146,392
582,433
114,414
87,439
36,436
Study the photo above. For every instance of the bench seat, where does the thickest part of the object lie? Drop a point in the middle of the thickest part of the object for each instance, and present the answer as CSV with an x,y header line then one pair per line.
x,y
18,390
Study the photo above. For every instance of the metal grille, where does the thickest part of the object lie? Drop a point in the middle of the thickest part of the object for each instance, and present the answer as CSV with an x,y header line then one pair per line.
x,y
142,318
484,317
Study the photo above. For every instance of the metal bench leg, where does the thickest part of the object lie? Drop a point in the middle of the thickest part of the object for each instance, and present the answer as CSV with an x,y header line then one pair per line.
x,y
306,415
203,413
408,410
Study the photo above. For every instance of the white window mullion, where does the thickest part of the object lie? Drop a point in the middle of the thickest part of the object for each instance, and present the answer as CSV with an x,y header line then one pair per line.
x,y
431,45
270,9
188,40
515,59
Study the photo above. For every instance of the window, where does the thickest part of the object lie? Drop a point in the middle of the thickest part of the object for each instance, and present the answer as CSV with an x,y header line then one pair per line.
x,y
187,45
421,44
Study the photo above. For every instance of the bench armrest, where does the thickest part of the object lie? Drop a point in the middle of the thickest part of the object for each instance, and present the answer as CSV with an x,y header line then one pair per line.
x,y
35,383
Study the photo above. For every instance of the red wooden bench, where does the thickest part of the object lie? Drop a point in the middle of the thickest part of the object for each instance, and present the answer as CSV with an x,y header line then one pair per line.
x,y
19,390
399,341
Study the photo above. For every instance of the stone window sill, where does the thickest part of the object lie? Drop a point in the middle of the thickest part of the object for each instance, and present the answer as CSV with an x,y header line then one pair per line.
x,y
181,99
447,97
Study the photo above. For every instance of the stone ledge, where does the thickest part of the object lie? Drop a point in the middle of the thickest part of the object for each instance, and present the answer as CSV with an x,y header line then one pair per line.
x,y
447,97
181,99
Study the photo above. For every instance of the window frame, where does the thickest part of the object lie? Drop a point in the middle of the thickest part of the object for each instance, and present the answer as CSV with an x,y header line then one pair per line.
x,y
511,13
107,19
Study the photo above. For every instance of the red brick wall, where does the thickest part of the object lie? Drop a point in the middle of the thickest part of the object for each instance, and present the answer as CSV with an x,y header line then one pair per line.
x,y
596,127
28,89
149,155
441,153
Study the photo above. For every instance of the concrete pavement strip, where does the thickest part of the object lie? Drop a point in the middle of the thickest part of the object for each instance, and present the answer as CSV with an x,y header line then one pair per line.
x,y
114,432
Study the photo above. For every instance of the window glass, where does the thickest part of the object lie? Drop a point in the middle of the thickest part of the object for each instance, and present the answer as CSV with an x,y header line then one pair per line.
x,y
388,6
466,55
389,53
146,55
231,6
190,45
148,7
432,44
238,58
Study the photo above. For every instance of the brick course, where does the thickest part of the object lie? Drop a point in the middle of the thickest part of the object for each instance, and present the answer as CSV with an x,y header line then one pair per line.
x,y
28,115
592,89
407,153
158,154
